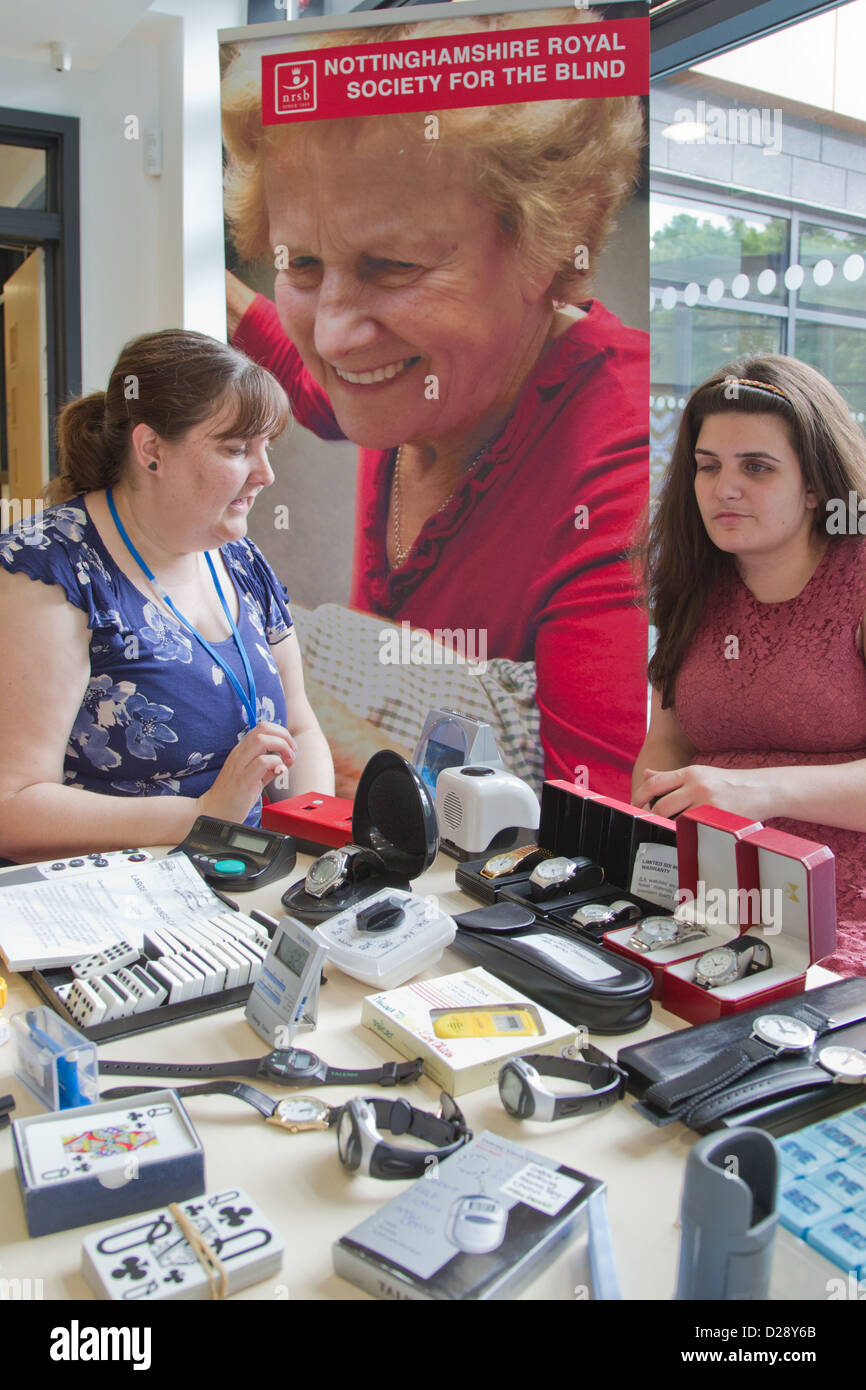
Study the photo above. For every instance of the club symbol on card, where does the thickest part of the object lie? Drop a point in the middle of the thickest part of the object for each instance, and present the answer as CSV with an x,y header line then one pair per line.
x,y
174,1276
194,1210
130,1268
232,1217
136,1117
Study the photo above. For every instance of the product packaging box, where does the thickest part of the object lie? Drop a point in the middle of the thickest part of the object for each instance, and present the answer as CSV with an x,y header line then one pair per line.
x,y
495,1217
423,1019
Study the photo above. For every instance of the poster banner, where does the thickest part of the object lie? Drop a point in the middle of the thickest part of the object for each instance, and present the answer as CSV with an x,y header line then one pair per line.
x,y
436,238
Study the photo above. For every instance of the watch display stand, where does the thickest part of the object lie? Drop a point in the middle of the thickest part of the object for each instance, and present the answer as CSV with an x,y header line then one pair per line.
x,y
709,852
789,904
392,815
575,822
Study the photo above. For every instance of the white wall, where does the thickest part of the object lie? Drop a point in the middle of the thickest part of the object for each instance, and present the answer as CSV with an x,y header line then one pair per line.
x,y
151,248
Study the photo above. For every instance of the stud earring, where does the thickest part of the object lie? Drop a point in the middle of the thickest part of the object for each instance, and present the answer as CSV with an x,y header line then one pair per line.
x,y
152,467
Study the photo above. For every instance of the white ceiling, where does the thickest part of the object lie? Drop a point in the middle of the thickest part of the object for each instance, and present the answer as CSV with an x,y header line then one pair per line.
x,y
91,28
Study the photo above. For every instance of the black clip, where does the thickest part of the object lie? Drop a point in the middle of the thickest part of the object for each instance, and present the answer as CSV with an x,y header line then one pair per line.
x,y
7,1105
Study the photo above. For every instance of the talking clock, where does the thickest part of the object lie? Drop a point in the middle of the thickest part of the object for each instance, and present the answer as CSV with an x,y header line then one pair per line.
x,y
285,996
239,857
449,739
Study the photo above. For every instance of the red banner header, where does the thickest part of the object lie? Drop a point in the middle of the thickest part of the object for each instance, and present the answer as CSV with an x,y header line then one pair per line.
x,y
482,68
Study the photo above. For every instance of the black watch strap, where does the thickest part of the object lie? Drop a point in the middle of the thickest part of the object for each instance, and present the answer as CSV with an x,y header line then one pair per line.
x,y
400,1117
389,1074
805,1077
250,1066
265,1104
593,1068
682,1093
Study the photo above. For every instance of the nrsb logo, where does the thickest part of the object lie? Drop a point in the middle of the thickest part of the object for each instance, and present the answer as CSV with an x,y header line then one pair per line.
x,y
295,87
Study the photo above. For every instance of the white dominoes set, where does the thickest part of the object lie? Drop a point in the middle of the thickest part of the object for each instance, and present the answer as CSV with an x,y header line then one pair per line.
x,y
176,964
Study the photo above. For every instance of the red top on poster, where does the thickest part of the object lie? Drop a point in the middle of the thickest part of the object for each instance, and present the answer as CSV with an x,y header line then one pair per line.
x,y
493,68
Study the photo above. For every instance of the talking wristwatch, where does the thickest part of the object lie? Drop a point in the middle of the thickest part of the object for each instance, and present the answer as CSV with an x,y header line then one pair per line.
x,y
293,1113
288,1066
745,955
772,1036
561,875
337,868
524,857
525,1096
606,914
656,932
362,1149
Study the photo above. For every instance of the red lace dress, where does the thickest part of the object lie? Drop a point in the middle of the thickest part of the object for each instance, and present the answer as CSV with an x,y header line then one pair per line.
x,y
790,690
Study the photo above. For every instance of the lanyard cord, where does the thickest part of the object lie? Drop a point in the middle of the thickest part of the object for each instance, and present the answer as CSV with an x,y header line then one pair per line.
x,y
248,701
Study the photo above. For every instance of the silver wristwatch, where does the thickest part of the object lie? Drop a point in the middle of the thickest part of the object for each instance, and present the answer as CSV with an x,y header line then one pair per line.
x,y
656,932
605,914
334,869
725,964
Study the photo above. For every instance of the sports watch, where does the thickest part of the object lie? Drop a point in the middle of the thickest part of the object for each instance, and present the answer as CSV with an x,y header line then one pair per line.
x,y
338,867
655,932
525,1096
772,1036
288,1066
561,875
362,1148
524,857
745,955
606,914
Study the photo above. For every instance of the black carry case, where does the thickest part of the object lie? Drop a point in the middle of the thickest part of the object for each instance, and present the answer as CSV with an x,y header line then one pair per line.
x,y
603,991
784,1094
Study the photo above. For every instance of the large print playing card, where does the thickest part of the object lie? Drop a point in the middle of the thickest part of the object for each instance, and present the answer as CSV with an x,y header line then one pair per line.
x,y
149,1257
96,1162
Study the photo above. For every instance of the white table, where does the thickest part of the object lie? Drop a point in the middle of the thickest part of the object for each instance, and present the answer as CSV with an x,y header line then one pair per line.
x,y
298,1179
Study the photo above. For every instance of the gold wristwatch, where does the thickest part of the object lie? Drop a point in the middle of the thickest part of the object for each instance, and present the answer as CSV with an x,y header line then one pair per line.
x,y
526,857
300,1113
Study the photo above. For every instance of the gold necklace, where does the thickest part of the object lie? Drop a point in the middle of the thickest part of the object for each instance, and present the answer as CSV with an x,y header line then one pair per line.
x,y
401,552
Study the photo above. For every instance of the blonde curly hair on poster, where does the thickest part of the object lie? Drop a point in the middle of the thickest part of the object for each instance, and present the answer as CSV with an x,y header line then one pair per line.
x,y
555,173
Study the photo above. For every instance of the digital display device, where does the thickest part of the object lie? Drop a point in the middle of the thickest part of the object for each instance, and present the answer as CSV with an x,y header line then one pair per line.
x,y
285,997
451,739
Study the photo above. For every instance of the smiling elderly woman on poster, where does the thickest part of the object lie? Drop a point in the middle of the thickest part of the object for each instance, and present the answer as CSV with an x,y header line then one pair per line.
x,y
431,306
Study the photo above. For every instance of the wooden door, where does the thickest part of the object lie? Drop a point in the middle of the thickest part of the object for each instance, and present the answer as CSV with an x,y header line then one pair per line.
x,y
26,382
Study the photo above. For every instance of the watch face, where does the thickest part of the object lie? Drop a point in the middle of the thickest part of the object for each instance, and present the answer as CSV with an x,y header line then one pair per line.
x,y
302,1110
716,964
848,1062
500,864
594,912
779,1030
291,1062
552,870
512,1092
324,872
657,931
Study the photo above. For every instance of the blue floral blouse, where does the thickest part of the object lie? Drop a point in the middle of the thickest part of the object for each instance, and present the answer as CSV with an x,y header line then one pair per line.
x,y
159,716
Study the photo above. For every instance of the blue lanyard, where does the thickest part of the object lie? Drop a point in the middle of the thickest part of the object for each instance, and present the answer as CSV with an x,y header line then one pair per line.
x,y
248,701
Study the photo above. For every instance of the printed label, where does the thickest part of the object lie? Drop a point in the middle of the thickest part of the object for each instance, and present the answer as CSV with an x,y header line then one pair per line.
x,y
575,958
542,1188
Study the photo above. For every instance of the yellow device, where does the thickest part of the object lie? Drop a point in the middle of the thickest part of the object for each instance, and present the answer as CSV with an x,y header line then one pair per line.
x,y
485,1023
2,991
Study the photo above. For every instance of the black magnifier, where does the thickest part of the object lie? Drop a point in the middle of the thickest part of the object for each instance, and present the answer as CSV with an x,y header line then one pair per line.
x,y
525,1096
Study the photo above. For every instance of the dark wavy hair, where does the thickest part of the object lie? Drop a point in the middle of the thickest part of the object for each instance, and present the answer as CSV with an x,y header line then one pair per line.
x,y
681,564
171,381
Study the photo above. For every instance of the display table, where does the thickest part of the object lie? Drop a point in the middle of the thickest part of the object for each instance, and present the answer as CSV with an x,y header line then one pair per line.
x,y
298,1179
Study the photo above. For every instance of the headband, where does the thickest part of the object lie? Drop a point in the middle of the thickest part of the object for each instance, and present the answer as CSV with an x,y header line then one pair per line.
x,y
758,386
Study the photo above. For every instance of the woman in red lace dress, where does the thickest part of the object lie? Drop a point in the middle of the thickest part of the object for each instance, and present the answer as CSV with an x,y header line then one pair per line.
x,y
757,585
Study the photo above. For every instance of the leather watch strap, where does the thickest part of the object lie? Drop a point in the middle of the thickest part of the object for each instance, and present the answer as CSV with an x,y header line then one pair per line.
x,y
707,1108
389,1074
265,1104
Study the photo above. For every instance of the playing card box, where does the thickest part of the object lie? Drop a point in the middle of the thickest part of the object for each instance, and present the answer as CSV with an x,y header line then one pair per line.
x,y
150,1257
96,1162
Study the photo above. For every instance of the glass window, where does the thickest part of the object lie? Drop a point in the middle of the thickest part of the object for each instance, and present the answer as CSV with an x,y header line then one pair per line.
x,y
697,242
834,262
840,353
22,177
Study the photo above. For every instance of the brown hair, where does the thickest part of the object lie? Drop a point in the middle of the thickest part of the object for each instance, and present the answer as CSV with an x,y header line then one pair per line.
x,y
171,381
682,566
554,172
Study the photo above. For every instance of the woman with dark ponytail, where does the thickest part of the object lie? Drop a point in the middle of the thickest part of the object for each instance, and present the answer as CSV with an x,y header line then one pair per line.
x,y
155,661
756,580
